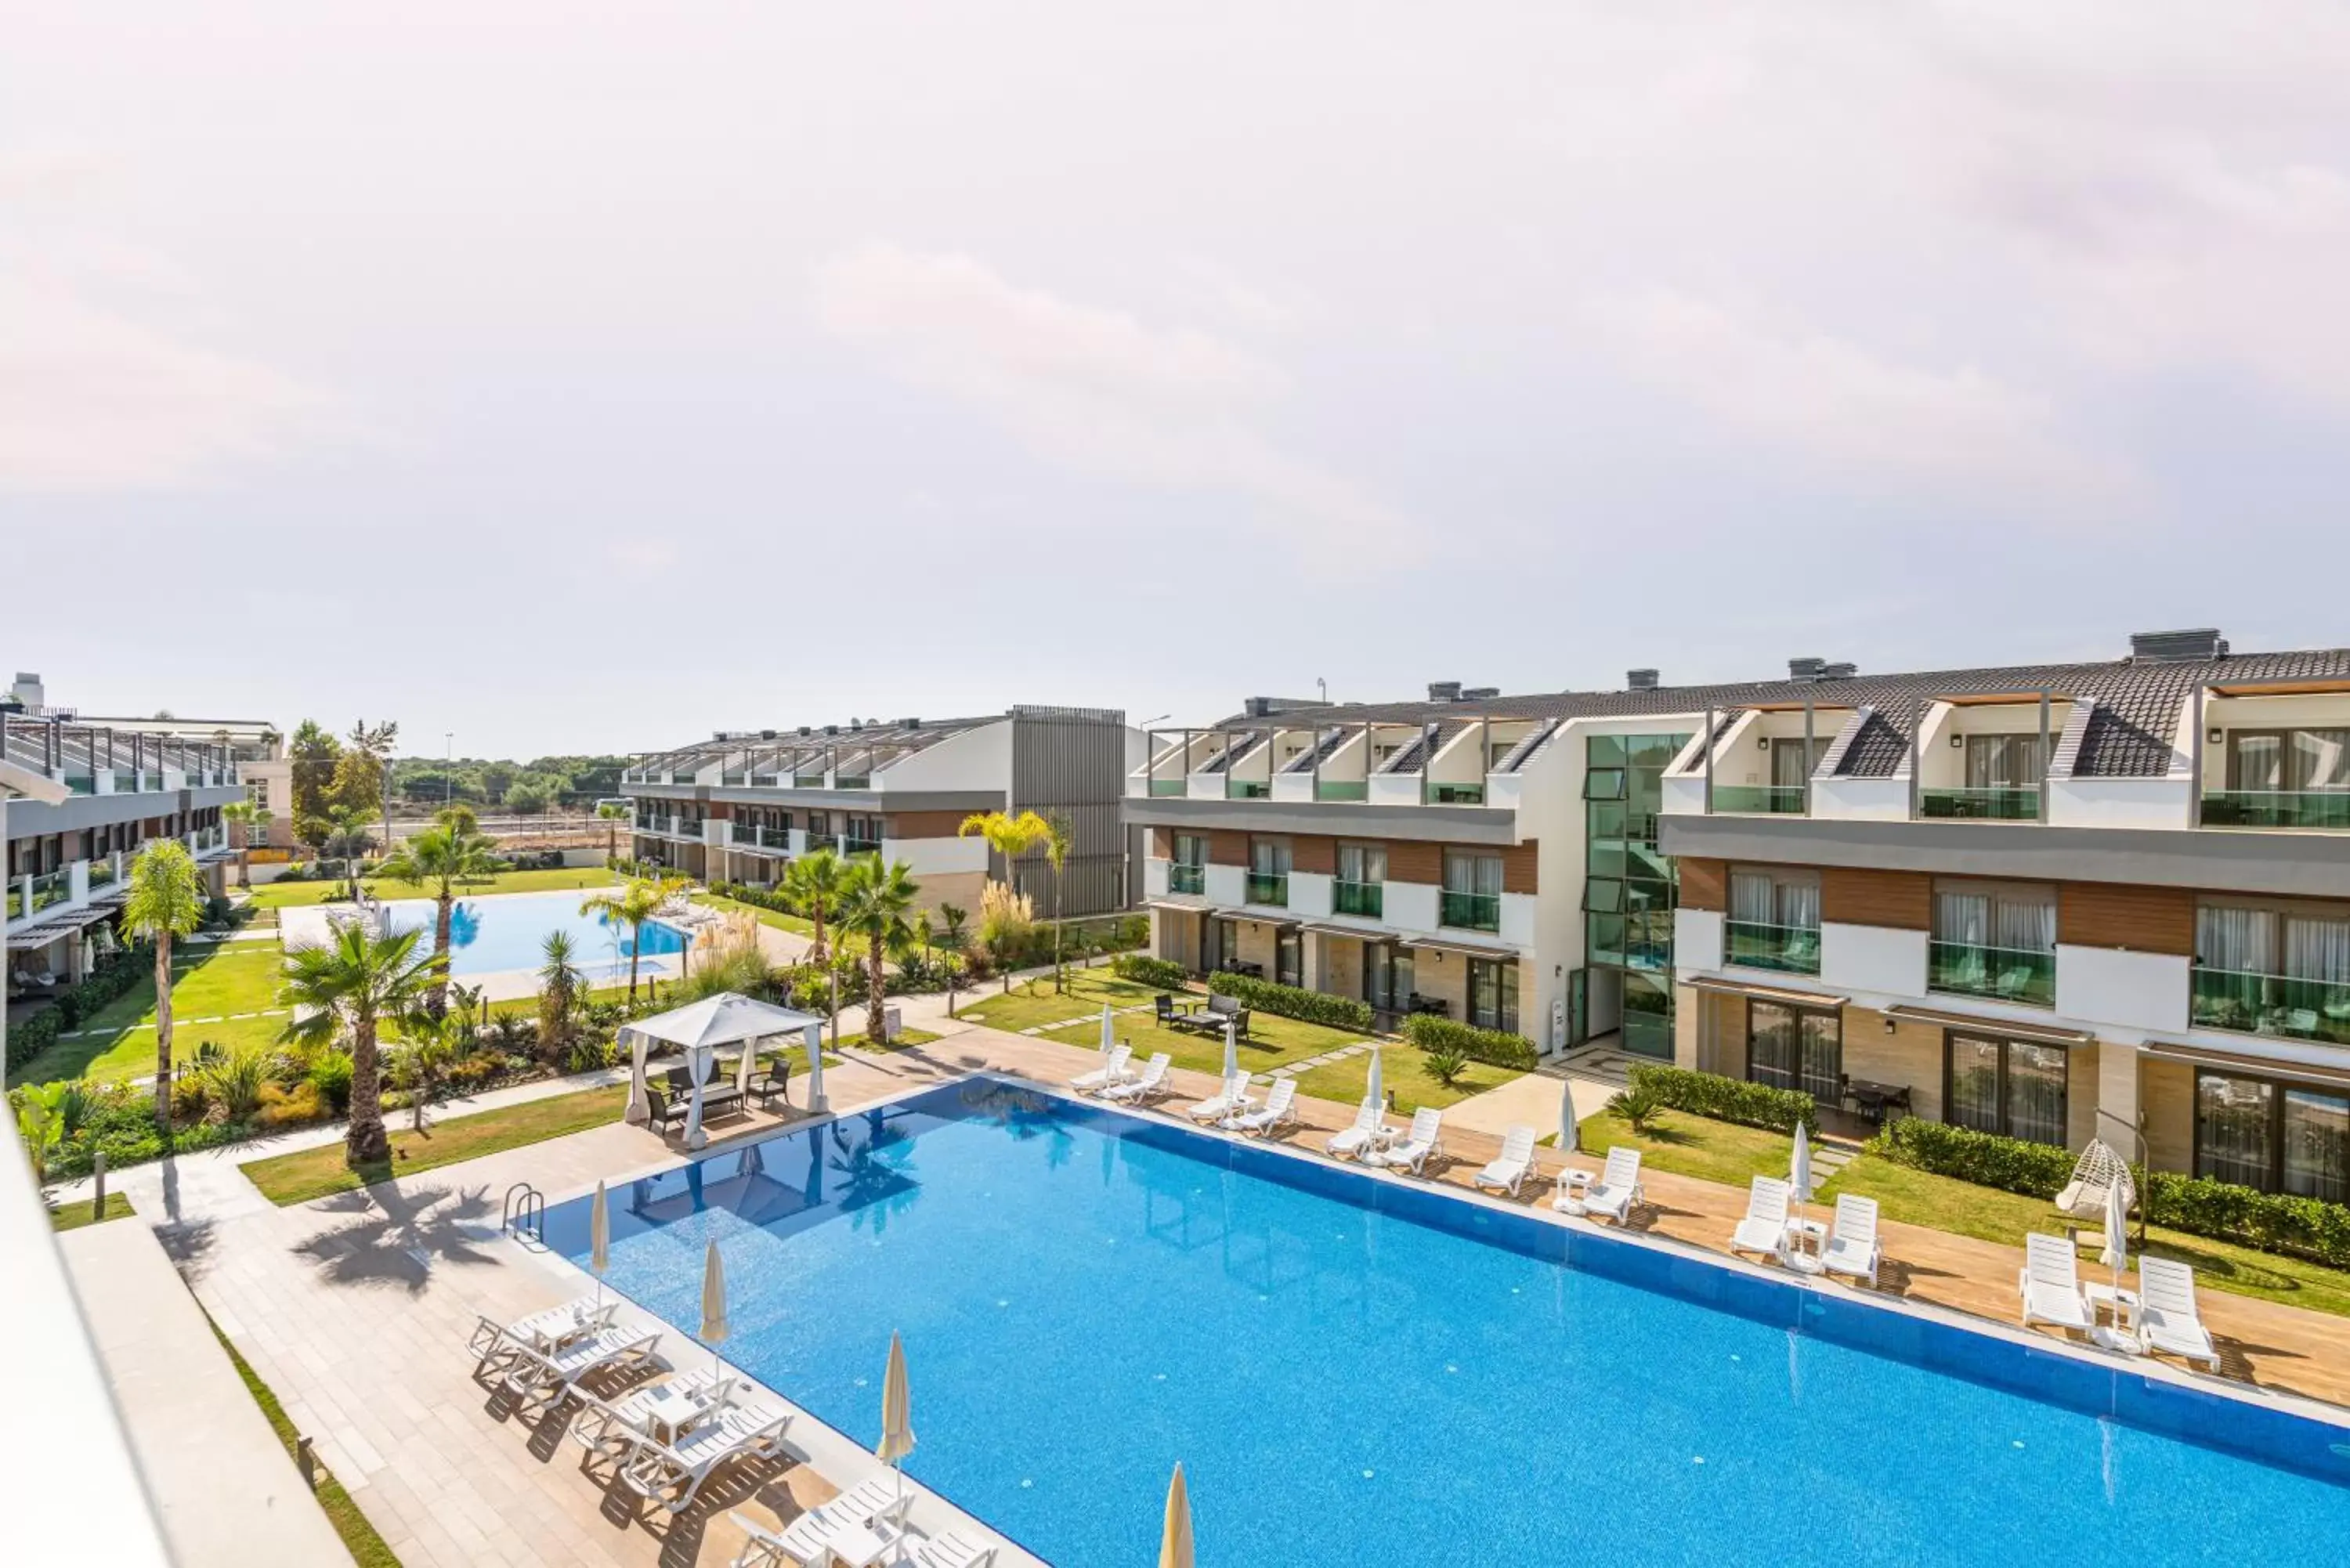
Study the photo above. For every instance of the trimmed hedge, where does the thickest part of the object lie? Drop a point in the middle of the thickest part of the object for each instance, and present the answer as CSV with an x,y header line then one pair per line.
x,y
1492,1046
1294,1001
1144,970
1727,1099
2278,1222
121,969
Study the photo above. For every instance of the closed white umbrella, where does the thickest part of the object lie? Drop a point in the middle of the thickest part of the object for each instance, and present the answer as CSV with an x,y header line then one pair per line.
x,y
1232,1052
1175,1540
896,1414
599,1238
1570,1135
1373,1087
714,1304
2117,1230
1108,1036
1799,1175
816,1068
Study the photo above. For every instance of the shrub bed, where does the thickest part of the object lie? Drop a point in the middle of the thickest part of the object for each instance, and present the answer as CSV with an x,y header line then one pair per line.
x,y
1987,1160
1292,1002
1726,1099
1144,970
1493,1047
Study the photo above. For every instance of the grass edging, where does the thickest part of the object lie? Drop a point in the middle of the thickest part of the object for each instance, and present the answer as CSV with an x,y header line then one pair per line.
x,y
74,1213
368,1548
309,1173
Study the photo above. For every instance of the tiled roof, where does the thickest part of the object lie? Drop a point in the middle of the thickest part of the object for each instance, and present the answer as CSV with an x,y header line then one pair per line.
x,y
2129,736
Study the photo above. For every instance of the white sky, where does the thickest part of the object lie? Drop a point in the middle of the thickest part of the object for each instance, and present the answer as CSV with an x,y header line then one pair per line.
x,y
577,377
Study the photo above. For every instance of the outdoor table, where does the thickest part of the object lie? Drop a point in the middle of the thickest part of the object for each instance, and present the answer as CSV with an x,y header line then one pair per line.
x,y
1875,1099
1807,1239
2116,1302
859,1545
671,1411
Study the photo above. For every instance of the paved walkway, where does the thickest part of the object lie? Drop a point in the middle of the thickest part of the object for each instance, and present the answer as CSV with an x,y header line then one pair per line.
x,y
223,1485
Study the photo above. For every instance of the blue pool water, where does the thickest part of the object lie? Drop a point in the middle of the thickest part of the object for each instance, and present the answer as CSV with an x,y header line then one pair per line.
x,y
509,932
1357,1371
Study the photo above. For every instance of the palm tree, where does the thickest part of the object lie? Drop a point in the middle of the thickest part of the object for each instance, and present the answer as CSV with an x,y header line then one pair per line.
x,y
440,857
560,986
357,981
246,816
814,882
1011,835
166,901
428,1043
1056,854
877,902
614,812
347,835
952,939
633,904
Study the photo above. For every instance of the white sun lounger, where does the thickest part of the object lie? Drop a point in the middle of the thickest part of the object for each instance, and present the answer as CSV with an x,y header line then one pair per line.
x,y
736,1432
539,1379
1617,1191
806,1542
1276,1110
613,1426
952,1550
1412,1151
550,1330
1514,1164
1763,1231
1350,1141
1107,1076
1153,1082
1232,1099
2049,1284
1853,1248
2168,1319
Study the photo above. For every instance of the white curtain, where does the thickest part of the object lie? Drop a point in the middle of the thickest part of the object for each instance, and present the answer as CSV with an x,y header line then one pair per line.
x,y
1751,899
2316,948
2321,759
1963,917
2025,926
1799,905
2242,941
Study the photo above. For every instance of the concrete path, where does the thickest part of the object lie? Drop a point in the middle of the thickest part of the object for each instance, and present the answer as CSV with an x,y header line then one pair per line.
x,y
223,1486
1532,1099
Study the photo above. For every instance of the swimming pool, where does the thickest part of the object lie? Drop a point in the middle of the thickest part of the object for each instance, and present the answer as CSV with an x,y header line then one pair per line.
x,y
509,932
1354,1369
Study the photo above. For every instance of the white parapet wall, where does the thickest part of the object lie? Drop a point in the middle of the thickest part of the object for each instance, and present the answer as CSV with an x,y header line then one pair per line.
x,y
1697,940
1877,960
1154,877
1309,895
1861,800
947,856
2158,802
1226,886
1409,906
2143,992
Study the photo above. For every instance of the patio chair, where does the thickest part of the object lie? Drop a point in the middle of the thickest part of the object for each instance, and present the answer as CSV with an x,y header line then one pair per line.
x,y
1411,1154
664,1110
1276,1111
1163,1013
1149,1086
613,1426
549,1330
952,1550
1107,1075
1509,1170
774,1083
2049,1284
1763,1231
805,1542
1617,1191
1853,1248
1231,1098
541,1378
738,1432
2168,1319
1350,1141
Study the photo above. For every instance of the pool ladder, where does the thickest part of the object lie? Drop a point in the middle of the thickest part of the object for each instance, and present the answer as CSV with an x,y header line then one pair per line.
x,y
524,1213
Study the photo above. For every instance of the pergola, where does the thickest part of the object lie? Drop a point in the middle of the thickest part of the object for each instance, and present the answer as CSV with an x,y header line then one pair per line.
x,y
700,1029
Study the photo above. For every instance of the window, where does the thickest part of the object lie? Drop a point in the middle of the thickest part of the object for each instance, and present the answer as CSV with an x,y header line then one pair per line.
x,y
1493,994
1472,897
1187,872
1604,783
2004,762
1795,1048
1288,957
1994,941
1268,874
2281,760
1774,922
819,824
1789,768
2277,970
2012,1087
1190,849
2279,1137
1388,977
1362,864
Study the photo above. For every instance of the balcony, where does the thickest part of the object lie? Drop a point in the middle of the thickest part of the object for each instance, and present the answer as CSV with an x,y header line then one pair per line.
x,y
1269,888
2024,975
1367,899
101,873
15,900
852,781
1183,879
1759,800
854,846
1470,911
1175,787
1247,789
2275,1004
748,835
1456,795
1761,944
809,780
2288,808
1342,789
53,888
2001,804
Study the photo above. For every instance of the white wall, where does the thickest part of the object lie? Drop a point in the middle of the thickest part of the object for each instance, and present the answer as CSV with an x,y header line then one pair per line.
x,y
1154,877
1227,885
1309,895
1877,959
1517,921
1697,940
939,857
2133,991
1395,789
1861,800
1292,786
1409,906
977,758
1684,796
2121,803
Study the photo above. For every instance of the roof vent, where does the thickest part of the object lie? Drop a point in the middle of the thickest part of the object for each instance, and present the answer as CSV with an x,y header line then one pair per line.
x,y
1843,671
910,723
1257,707
766,734
1805,669
803,729
832,729
1480,693
2159,646
1444,691
1640,680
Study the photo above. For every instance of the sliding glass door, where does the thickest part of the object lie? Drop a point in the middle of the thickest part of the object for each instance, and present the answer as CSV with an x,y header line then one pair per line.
x,y
1795,1048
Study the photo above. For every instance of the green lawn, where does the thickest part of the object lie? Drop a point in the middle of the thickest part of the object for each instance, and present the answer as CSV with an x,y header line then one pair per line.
x,y
367,1549
1033,1003
210,982
1403,1073
75,1215
285,895
311,1173
1989,1214
775,917
1272,1042
1688,1144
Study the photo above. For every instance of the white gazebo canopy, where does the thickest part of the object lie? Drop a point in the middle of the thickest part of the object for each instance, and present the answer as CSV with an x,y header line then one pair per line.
x,y
700,1029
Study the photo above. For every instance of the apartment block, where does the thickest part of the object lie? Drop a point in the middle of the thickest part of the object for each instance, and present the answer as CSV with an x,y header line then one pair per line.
x,y
115,784
2054,901
742,805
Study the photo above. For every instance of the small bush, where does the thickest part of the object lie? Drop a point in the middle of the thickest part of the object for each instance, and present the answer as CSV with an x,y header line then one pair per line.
x,y
330,1076
233,1083
1445,1067
1638,1105
1727,1099
280,1106
1292,1002
1144,970
1493,1046
1987,1160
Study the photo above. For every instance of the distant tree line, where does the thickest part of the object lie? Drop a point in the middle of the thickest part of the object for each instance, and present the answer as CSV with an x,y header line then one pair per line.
x,y
541,784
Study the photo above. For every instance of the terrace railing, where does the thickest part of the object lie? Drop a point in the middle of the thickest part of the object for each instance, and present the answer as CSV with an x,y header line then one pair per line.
x,y
1247,789
1367,899
1470,911
1174,786
1437,793
2004,804
101,873
1183,879
1759,800
2243,1003
1269,888
2318,808
1761,944
1342,789
2026,975
51,888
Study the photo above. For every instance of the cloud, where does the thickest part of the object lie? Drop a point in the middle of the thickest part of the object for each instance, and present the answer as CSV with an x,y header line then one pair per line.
x,y
1095,389
1835,405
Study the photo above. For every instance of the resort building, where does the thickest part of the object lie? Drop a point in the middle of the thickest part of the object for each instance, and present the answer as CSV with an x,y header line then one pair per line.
x,y
2055,902
741,807
124,782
